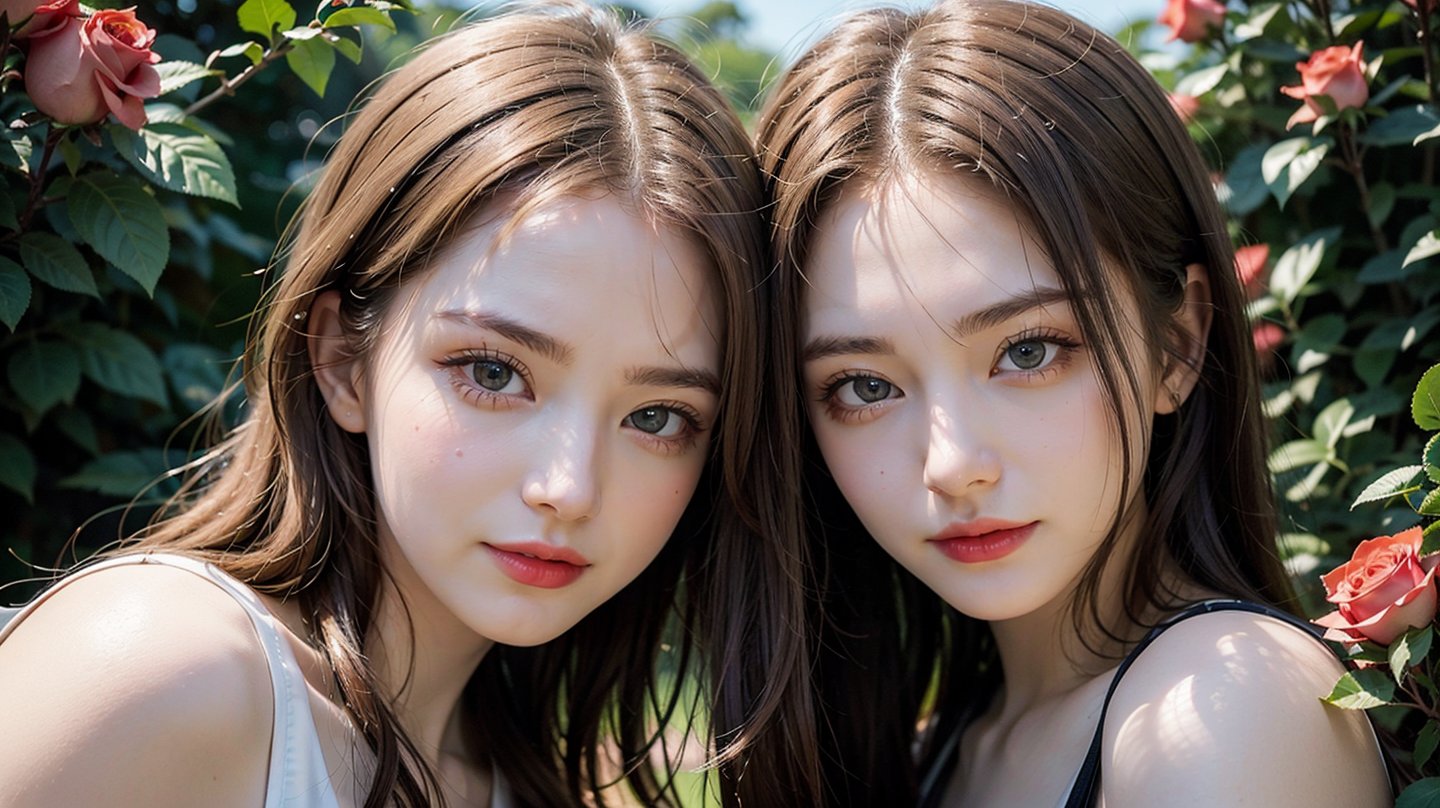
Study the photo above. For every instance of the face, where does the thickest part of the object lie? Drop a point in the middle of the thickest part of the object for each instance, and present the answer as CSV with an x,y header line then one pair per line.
x,y
954,398
538,410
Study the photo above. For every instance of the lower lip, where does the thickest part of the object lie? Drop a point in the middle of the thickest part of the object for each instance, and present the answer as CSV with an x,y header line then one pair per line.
x,y
533,571
991,546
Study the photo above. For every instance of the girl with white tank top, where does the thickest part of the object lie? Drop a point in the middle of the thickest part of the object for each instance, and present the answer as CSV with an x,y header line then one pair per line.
x,y
485,498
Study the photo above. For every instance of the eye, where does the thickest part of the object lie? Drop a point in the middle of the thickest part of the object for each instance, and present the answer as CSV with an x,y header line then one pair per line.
x,y
661,422
1031,355
497,377
858,391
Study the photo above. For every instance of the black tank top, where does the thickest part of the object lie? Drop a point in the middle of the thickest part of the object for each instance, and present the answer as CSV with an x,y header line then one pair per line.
x,y
1085,792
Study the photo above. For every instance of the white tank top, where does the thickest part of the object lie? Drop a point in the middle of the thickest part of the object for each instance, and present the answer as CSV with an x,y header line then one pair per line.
x,y
298,776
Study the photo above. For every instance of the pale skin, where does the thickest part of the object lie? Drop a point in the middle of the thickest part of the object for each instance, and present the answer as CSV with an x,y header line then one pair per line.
x,y
495,416
948,382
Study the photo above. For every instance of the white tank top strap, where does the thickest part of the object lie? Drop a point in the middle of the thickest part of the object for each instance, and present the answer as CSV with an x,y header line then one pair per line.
x,y
298,776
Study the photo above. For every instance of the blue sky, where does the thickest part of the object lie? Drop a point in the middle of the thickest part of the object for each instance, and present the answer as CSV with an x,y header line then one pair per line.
x,y
787,25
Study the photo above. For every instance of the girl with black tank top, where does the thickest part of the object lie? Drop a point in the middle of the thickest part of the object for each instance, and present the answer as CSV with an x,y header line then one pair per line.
x,y
1040,527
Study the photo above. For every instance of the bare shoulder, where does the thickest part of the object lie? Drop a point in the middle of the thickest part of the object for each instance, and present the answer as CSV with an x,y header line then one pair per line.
x,y
135,685
1224,709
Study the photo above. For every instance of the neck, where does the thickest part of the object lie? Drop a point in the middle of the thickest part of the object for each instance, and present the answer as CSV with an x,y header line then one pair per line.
x,y
423,656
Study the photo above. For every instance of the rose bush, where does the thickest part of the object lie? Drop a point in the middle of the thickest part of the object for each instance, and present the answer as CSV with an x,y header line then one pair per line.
x,y
86,68
1385,589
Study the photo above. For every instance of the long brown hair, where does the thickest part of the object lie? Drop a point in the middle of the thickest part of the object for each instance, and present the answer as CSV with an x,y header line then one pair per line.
x,y
549,100
1083,143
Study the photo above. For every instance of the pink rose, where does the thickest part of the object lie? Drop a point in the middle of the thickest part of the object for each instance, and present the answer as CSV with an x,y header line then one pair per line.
x,y
1185,106
1430,6
1338,73
88,68
1250,267
1384,589
39,18
1191,20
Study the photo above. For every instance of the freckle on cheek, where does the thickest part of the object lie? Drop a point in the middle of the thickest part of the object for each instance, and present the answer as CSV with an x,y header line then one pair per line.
x,y
459,452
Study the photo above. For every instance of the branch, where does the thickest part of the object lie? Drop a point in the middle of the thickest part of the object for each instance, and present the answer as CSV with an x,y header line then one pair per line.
x,y
228,86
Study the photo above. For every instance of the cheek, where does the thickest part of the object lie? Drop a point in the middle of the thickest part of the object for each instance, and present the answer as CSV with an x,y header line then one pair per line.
x,y
868,463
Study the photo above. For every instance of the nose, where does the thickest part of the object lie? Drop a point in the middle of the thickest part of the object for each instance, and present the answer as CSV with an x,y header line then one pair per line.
x,y
564,483
959,457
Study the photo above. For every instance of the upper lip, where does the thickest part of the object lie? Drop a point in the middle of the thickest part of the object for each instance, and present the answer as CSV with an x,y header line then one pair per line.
x,y
543,551
976,528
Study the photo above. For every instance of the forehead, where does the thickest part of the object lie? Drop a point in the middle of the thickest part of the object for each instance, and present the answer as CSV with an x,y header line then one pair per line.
x,y
589,270
922,239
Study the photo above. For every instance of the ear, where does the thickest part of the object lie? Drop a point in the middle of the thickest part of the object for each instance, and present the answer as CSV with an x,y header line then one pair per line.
x,y
337,371
1192,322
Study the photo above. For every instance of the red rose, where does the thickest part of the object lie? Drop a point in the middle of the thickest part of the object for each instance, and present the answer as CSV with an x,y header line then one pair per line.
x,y
1185,106
1338,73
1250,267
88,68
1384,589
1191,20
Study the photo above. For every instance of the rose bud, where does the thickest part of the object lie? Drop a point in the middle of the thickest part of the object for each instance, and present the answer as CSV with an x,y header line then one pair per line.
x,y
1250,268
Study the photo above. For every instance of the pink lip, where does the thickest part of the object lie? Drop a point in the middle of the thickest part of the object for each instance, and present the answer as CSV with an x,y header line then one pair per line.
x,y
535,563
982,540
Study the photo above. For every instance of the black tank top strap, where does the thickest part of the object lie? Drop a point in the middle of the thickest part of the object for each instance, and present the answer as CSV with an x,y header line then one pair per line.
x,y
1085,791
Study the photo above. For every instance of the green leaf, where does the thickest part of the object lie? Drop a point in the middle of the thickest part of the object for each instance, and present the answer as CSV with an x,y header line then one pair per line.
x,y
1428,245
302,33
197,373
1430,505
263,17
1297,453
253,51
1425,743
1244,188
1432,458
1330,424
14,292
1410,649
1391,484
360,15
7,212
1402,126
312,61
1382,268
174,75
119,362
119,474
123,223
1425,404
56,262
1299,264
1289,163
1255,23
348,48
178,158
1382,201
44,374
1421,794
1361,690
17,467
76,425
1198,83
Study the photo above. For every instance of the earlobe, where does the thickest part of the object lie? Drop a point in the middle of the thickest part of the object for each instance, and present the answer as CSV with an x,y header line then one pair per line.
x,y
1192,322
334,363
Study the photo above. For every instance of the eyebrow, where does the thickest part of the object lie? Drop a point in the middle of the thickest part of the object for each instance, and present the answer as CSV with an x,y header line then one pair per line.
x,y
674,377
537,341
976,321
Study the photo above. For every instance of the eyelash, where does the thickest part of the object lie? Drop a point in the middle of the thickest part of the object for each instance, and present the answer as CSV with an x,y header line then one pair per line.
x,y
464,382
